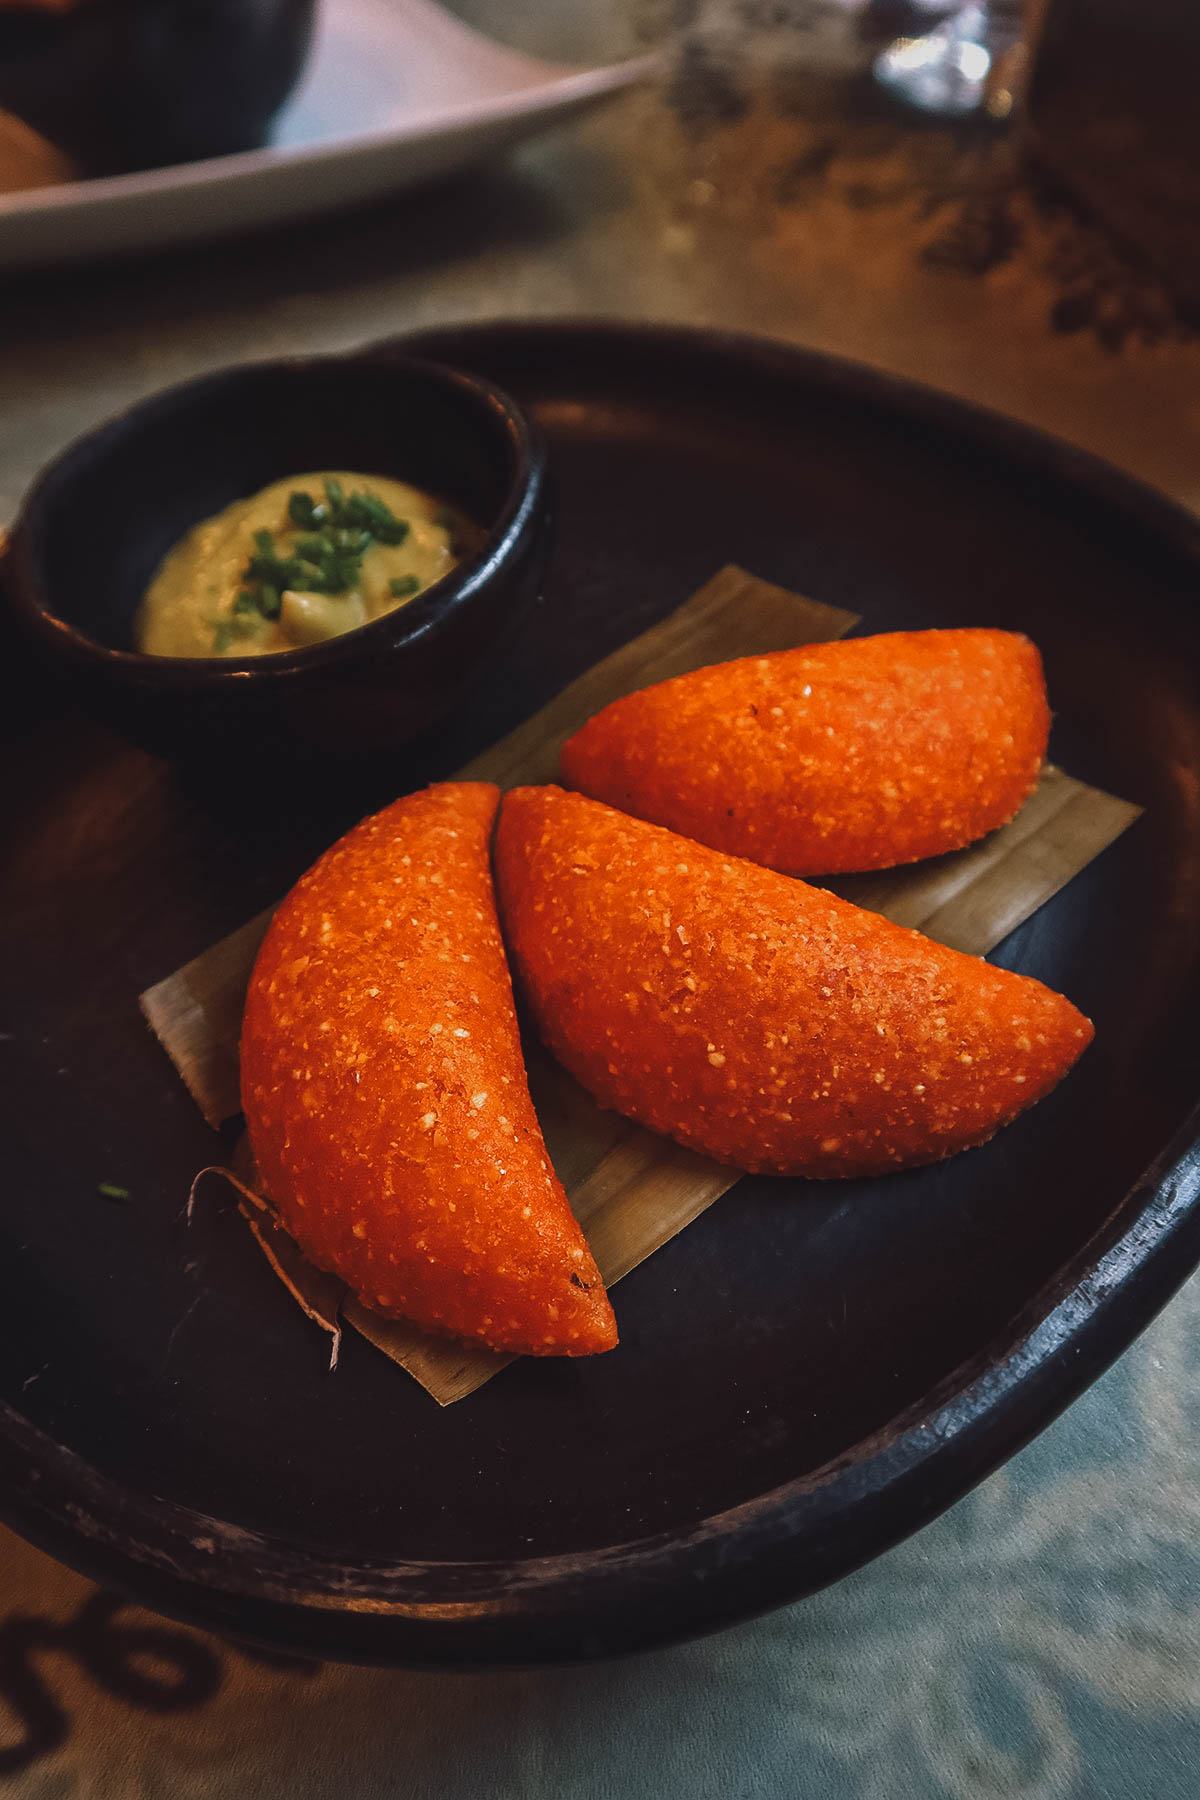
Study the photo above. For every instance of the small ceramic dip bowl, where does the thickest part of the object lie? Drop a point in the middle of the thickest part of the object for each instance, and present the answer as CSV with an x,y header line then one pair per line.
x,y
97,522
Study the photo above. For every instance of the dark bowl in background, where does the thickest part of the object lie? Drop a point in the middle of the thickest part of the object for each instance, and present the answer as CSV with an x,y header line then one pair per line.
x,y
135,84
96,523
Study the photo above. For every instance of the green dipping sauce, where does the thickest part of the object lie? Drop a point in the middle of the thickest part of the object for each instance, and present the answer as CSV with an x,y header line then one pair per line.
x,y
304,560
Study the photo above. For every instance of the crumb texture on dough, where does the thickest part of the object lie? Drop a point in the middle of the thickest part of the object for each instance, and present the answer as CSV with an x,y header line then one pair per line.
x,y
859,754
385,1091
753,1017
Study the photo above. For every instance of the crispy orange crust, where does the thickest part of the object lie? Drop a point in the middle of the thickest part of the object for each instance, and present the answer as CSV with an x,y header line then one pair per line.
x,y
764,1022
385,1092
853,755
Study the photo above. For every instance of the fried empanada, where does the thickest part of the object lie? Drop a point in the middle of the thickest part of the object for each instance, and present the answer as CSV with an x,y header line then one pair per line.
x,y
753,1017
853,755
385,1091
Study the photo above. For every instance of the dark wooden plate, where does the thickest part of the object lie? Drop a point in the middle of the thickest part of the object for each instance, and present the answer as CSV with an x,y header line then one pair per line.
x,y
805,1374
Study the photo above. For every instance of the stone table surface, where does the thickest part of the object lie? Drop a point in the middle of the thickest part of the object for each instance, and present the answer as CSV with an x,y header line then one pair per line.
x,y
1042,1639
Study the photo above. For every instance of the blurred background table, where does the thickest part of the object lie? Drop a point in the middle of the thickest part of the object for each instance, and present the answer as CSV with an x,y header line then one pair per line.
x,y
1042,1639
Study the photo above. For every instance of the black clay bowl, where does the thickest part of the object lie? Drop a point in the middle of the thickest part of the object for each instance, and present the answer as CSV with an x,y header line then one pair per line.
x,y
130,84
96,523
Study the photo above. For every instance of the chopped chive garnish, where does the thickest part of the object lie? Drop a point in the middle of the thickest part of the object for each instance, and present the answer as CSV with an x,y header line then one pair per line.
x,y
222,638
401,586
302,511
327,562
109,1190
